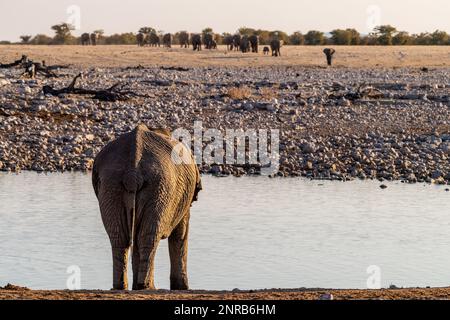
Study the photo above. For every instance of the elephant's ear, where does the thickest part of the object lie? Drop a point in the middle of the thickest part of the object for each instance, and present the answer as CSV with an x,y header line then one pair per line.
x,y
198,186
95,180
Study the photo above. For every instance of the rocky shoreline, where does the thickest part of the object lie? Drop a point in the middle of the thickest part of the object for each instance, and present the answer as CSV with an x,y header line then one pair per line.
x,y
335,124
12,292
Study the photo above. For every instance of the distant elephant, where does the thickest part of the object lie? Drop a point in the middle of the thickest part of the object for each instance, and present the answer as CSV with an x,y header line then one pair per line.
x,y
237,41
266,50
153,40
184,39
208,41
275,46
167,40
85,39
145,196
94,38
228,41
329,53
140,39
244,44
196,40
254,42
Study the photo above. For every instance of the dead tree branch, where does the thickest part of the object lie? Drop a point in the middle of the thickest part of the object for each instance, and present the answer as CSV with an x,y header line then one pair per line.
x,y
113,93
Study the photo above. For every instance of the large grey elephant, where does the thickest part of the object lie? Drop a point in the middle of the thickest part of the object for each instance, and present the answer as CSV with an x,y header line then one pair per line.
x,y
245,44
329,52
254,42
208,40
183,38
140,39
167,40
196,42
145,196
275,45
85,39
153,40
237,41
94,38
228,41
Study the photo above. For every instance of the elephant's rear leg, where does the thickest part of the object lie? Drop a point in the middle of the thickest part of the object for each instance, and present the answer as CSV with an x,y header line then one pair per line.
x,y
144,265
114,216
178,250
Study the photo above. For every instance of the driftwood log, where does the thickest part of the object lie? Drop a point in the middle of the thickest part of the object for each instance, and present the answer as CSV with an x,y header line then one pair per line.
x,y
361,93
16,63
113,93
32,68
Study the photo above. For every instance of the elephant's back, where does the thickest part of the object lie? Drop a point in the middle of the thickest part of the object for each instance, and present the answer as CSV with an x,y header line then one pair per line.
x,y
146,155
157,161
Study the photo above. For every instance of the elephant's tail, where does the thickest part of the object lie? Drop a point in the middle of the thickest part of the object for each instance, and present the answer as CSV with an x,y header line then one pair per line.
x,y
132,181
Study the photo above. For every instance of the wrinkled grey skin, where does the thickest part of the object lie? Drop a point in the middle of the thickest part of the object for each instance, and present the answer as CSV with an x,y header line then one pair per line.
x,y
329,52
237,41
144,196
94,38
167,40
228,41
153,40
244,44
140,38
196,40
254,43
266,50
275,46
85,39
184,39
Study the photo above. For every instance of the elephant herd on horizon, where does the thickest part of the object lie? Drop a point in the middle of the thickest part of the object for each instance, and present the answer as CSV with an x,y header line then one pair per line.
x,y
89,39
235,42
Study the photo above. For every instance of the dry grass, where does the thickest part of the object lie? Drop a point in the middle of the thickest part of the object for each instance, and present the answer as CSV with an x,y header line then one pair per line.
x,y
268,93
239,93
123,56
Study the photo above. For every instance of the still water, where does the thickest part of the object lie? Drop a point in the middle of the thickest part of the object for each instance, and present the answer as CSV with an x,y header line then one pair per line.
x,y
246,233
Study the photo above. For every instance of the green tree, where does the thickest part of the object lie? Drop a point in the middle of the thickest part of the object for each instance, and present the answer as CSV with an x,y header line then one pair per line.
x,y
341,37
355,36
207,30
439,38
62,33
385,34
297,38
147,30
122,38
41,39
280,35
25,39
422,39
314,38
264,36
244,31
401,38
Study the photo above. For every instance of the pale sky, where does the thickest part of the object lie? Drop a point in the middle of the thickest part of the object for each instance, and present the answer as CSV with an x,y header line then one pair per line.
x,y
20,17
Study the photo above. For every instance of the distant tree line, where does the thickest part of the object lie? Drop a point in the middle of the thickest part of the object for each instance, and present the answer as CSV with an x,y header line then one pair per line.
x,y
381,35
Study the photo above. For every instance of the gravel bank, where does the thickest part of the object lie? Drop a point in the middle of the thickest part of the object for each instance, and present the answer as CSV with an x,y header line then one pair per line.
x,y
338,123
11,292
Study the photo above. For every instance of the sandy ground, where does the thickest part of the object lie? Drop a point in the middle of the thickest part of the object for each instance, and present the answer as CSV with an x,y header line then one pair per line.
x,y
14,292
346,56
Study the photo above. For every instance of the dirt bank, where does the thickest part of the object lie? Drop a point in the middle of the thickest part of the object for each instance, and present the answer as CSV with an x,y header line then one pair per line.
x,y
123,56
15,292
